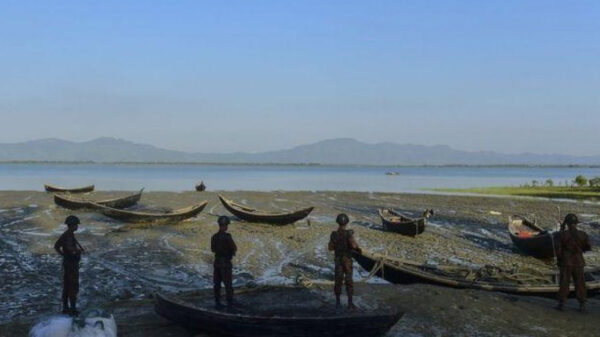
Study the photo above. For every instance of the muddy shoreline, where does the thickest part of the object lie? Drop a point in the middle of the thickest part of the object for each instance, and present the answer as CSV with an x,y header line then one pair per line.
x,y
125,266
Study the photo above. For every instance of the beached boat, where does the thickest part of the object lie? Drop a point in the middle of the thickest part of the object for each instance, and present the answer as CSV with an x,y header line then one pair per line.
x,y
518,282
200,187
532,240
401,223
253,215
147,217
71,202
276,311
84,189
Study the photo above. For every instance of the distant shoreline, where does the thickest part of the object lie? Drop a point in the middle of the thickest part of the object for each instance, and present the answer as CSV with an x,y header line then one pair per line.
x,y
35,162
554,192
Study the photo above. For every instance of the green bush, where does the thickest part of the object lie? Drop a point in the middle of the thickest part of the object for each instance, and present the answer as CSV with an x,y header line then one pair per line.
x,y
580,180
595,182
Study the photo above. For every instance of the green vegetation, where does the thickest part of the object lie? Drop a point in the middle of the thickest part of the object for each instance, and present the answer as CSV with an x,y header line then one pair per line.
x,y
580,188
581,180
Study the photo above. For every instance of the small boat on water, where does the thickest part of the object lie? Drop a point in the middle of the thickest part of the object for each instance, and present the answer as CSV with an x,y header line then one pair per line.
x,y
57,189
532,240
70,202
200,187
253,215
401,223
392,173
518,282
276,311
149,217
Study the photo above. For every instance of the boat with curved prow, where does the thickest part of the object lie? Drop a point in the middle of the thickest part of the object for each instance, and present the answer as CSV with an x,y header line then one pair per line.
x,y
57,189
518,282
276,311
150,217
401,223
531,239
70,202
253,215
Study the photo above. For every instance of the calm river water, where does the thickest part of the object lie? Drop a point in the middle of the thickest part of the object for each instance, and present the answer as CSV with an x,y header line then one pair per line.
x,y
269,178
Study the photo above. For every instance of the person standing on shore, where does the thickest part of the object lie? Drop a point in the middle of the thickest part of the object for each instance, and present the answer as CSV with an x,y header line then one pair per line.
x,y
342,242
572,243
68,247
224,247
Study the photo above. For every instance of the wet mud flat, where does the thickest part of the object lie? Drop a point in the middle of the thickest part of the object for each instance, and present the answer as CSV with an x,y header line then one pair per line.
x,y
125,265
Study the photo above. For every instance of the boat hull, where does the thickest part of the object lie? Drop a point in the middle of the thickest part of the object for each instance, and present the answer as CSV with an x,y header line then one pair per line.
x,y
403,225
223,323
542,246
274,219
74,203
143,217
399,274
56,189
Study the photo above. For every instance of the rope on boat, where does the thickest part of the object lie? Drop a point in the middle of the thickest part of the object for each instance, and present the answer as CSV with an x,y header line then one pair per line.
x,y
307,282
485,273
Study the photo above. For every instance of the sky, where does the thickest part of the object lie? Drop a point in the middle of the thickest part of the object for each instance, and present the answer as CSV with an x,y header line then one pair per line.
x,y
224,76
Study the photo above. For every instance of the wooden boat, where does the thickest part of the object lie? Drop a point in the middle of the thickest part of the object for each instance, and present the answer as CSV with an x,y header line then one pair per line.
x,y
531,239
70,202
400,223
275,311
253,215
146,217
200,187
518,282
84,189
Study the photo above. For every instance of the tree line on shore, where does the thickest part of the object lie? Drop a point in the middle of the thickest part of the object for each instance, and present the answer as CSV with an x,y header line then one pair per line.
x,y
578,181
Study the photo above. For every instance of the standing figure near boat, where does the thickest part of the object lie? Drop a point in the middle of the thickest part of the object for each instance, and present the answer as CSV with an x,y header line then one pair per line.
x,y
224,247
71,250
572,243
342,242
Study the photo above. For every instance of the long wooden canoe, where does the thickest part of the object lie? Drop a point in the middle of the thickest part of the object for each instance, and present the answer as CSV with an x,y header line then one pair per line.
x,y
147,217
70,202
253,215
532,240
276,311
523,282
401,223
84,189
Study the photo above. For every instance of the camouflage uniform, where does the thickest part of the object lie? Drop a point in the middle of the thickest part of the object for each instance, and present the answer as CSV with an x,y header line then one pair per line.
x,y
68,246
342,242
571,245
224,248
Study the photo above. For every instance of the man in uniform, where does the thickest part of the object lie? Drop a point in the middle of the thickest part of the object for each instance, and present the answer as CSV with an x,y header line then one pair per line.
x,y
571,245
224,248
342,243
71,250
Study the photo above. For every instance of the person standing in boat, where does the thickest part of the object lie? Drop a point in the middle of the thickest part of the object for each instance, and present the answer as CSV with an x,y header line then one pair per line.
x,y
572,243
224,247
342,242
68,247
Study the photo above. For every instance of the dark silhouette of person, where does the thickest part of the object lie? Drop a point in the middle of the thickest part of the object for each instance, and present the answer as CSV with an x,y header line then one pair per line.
x,y
224,247
572,243
71,250
342,242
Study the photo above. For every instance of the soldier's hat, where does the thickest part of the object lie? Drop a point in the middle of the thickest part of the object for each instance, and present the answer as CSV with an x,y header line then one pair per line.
x,y
571,219
72,220
342,219
223,221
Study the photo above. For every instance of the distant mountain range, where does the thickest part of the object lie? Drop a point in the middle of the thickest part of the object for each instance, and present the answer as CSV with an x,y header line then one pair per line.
x,y
342,151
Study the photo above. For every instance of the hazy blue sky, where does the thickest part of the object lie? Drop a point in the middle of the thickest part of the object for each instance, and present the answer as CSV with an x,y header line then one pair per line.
x,y
508,76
